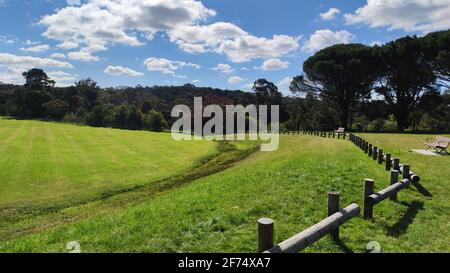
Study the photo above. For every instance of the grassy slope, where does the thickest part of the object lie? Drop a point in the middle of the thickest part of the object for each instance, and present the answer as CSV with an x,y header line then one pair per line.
x,y
219,212
43,164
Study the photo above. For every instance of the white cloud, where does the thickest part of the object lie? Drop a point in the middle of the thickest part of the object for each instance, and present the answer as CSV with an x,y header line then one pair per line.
x,y
97,24
378,43
10,60
325,38
11,75
73,2
409,15
237,44
274,64
100,23
67,45
7,39
224,68
12,66
36,49
285,83
235,80
58,56
83,56
166,66
120,70
61,78
283,86
31,43
330,14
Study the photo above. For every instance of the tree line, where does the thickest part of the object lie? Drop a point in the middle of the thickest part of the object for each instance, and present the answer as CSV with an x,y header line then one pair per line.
x,y
401,85
410,75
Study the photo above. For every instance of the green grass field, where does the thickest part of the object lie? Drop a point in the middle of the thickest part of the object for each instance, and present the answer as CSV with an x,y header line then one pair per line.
x,y
218,212
43,164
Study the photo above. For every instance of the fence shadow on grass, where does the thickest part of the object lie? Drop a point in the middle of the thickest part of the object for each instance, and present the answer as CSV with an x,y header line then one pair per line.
x,y
422,189
343,246
402,225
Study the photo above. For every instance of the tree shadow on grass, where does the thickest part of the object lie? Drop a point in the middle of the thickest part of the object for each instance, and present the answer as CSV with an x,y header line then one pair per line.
x,y
343,247
402,225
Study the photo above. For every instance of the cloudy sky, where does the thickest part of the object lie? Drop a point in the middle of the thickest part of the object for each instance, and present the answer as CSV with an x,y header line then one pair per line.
x,y
219,43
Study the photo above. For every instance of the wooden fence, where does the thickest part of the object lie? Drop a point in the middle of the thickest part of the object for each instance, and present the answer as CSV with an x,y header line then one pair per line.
x,y
329,225
378,154
336,216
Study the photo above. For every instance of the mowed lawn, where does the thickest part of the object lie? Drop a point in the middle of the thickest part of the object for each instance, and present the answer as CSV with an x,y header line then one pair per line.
x,y
44,162
219,213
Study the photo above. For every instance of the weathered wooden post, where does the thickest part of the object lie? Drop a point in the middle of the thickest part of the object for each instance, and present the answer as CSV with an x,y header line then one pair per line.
x,y
394,179
396,165
366,147
388,162
368,206
370,150
333,207
380,156
265,234
405,171
375,153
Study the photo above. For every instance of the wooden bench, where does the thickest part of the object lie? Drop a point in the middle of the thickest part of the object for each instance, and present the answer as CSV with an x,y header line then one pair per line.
x,y
340,131
439,144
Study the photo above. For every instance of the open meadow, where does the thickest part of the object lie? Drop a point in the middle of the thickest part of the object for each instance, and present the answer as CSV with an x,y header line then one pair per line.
x,y
62,183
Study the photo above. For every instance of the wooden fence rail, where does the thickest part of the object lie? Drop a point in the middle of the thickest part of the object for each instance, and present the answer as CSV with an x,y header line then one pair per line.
x,y
329,134
329,225
378,154
371,198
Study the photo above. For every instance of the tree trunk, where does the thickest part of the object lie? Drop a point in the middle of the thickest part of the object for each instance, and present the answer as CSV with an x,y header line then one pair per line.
x,y
402,120
343,118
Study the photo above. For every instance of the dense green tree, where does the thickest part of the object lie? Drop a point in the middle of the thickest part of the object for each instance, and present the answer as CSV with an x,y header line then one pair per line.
x,y
134,119
97,116
341,74
31,102
121,116
56,109
404,77
436,47
266,92
155,121
37,79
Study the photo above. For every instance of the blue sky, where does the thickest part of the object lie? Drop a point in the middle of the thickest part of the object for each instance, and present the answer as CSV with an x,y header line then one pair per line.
x,y
225,44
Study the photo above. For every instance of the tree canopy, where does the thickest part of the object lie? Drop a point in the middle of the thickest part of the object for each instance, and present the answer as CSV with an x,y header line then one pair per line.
x,y
340,74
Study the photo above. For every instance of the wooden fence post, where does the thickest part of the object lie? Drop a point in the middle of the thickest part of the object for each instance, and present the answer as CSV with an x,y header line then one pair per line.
x,y
380,156
405,171
396,165
368,206
394,179
370,150
388,162
265,234
333,207
375,153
